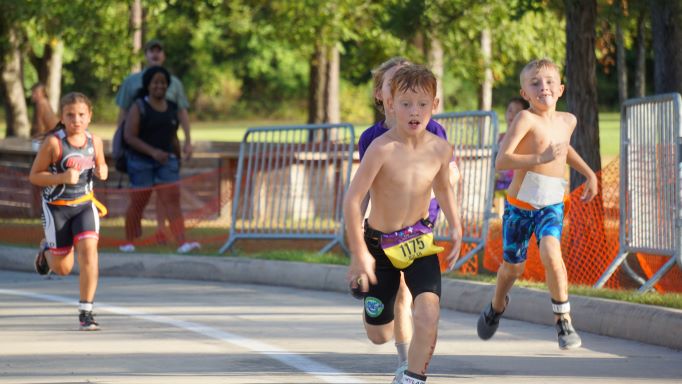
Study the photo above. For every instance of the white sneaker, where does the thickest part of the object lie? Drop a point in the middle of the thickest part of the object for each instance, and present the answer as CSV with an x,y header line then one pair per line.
x,y
127,248
399,373
188,247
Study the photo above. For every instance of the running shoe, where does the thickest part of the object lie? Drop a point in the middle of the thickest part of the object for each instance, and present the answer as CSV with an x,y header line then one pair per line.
x,y
40,263
399,373
87,321
568,337
489,321
188,247
127,248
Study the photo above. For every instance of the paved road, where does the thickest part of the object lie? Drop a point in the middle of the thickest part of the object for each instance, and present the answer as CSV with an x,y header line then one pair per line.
x,y
177,331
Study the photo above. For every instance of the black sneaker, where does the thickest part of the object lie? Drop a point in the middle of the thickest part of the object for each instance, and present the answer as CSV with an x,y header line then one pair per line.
x,y
40,264
87,321
489,321
568,337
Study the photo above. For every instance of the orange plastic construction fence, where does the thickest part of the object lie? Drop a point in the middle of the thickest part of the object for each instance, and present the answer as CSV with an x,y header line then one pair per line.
x,y
589,242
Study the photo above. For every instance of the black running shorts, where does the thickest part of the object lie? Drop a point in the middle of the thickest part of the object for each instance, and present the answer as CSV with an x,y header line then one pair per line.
x,y
65,225
423,275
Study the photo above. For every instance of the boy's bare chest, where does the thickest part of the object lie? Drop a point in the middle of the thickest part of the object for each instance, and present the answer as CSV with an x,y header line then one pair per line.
x,y
409,171
539,137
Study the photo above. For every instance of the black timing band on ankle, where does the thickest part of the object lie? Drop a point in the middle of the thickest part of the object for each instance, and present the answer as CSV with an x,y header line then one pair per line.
x,y
415,375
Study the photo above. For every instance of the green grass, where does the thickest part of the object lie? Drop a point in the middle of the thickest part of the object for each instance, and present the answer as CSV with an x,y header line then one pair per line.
x,y
292,255
230,131
609,130
609,135
670,300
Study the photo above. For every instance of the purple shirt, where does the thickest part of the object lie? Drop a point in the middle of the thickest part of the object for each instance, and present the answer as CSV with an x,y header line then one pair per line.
x,y
379,129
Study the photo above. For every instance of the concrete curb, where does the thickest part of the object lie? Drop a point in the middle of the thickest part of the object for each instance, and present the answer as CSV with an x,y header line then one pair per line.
x,y
644,323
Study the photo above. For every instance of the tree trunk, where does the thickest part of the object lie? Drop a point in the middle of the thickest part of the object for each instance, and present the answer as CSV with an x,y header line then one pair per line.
x,y
40,63
640,66
435,56
621,67
318,75
418,41
16,116
53,81
136,27
332,111
581,82
485,103
581,97
666,17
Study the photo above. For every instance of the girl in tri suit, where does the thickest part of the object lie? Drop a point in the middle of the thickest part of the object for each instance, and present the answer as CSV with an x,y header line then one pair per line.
x,y
64,166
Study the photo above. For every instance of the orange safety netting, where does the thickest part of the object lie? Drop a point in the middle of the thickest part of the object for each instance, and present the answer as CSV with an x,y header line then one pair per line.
x,y
162,218
589,241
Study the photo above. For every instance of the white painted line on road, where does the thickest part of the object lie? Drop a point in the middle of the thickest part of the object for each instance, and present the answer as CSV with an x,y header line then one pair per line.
x,y
303,364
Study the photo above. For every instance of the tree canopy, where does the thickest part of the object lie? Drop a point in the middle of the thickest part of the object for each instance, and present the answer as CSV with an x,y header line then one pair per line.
x,y
240,58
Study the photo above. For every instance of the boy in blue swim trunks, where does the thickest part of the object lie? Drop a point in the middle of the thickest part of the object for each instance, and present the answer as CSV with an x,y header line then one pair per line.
x,y
537,148
399,170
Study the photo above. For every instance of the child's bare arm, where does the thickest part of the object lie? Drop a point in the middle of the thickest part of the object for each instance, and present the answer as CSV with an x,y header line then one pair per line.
x,y
591,185
508,159
101,170
40,174
45,113
442,189
362,262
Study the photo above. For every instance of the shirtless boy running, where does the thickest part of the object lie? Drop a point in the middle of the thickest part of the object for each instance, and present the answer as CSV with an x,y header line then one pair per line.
x,y
537,148
398,170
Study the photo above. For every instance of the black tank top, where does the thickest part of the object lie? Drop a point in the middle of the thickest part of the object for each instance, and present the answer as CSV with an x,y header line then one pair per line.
x,y
82,158
159,128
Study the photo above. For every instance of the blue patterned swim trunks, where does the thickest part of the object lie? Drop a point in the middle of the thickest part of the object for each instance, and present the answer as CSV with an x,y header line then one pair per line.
x,y
519,224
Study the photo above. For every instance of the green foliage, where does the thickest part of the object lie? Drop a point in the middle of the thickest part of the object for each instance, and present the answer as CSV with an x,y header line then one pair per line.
x,y
356,104
243,58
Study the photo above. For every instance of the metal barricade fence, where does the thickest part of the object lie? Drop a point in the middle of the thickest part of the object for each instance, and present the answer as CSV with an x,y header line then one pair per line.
x,y
650,189
474,137
290,183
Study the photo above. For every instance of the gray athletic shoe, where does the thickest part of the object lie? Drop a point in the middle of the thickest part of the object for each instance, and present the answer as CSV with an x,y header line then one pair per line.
x,y
568,337
489,321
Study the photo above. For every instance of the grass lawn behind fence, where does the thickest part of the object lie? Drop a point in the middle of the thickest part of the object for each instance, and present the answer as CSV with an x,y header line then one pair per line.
x,y
609,130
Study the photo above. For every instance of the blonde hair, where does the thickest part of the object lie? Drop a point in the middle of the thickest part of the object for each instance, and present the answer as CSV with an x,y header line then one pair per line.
x,y
536,65
378,77
414,77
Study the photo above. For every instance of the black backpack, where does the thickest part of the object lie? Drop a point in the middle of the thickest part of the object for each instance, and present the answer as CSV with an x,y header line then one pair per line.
x,y
118,143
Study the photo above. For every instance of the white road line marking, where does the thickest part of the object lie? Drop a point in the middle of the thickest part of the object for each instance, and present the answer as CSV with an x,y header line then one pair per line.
x,y
303,364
